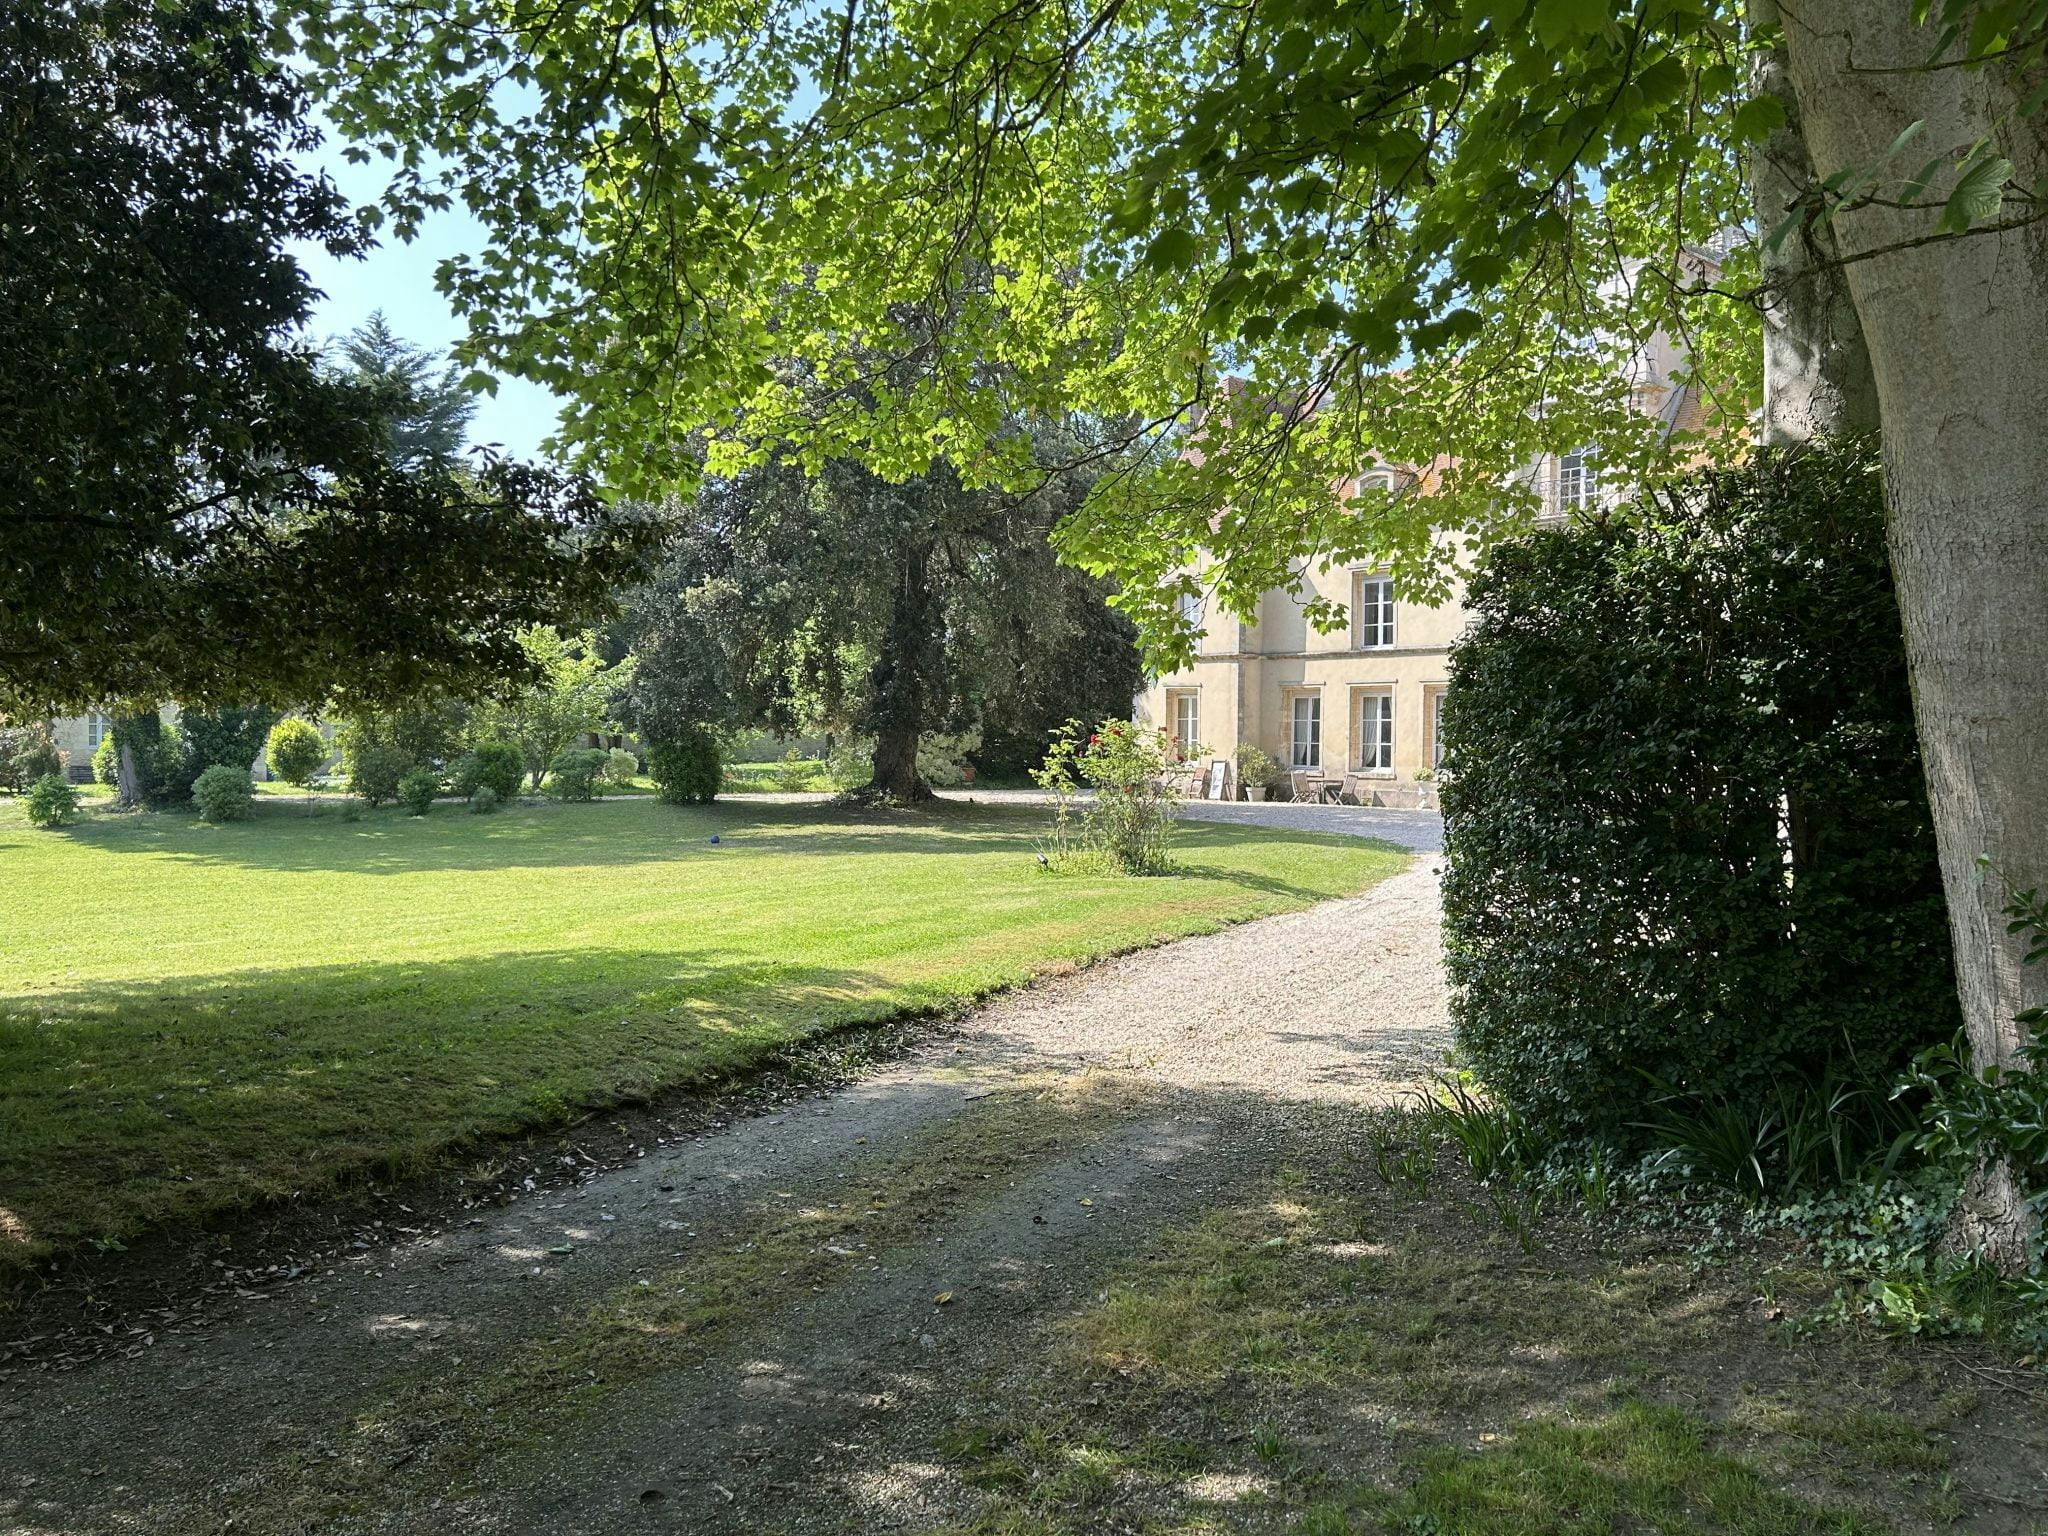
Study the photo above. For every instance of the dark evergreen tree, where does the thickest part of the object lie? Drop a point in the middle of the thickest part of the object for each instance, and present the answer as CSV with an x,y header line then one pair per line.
x,y
427,409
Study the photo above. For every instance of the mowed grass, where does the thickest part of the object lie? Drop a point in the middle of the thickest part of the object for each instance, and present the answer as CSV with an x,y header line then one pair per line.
x,y
197,1018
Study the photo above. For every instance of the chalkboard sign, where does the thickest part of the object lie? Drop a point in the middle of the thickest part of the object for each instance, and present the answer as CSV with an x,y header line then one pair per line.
x,y
1219,772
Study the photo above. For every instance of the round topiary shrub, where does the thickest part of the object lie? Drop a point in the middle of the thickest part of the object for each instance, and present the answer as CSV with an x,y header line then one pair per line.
x,y
1686,823
483,800
687,770
497,765
106,764
223,793
51,802
416,791
621,768
295,750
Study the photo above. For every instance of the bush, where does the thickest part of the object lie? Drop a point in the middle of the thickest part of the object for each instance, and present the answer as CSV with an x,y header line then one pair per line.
x,y
28,753
416,790
573,773
1689,849
209,736
687,769
483,800
51,801
159,759
1132,815
223,793
374,769
793,772
621,768
295,750
106,766
498,766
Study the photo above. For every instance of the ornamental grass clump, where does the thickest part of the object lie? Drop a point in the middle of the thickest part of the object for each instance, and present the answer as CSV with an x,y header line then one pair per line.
x,y
1129,821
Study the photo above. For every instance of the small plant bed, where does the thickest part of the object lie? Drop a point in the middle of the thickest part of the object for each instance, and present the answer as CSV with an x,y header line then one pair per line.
x,y
196,1018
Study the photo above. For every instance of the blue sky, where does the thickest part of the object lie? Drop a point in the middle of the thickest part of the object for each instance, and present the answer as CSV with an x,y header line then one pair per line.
x,y
398,278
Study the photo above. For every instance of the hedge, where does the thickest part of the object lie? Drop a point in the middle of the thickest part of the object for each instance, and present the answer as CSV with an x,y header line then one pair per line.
x,y
1686,827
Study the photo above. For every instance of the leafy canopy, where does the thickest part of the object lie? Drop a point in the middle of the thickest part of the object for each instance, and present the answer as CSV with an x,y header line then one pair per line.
x,y
190,507
1448,224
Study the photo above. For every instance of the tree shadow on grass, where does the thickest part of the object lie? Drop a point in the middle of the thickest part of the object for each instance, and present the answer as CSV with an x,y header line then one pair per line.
x,y
130,1105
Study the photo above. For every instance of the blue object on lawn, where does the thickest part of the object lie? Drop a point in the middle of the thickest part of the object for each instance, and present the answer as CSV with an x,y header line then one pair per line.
x,y
714,837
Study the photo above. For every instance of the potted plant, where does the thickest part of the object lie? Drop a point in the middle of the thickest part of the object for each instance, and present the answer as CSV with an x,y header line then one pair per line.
x,y
1255,771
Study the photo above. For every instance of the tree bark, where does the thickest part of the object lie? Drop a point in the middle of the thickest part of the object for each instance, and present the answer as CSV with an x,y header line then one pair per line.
x,y
1957,331
905,679
1817,376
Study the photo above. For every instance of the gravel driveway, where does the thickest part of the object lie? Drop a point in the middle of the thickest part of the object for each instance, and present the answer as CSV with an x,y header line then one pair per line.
x,y
1421,831
1203,1062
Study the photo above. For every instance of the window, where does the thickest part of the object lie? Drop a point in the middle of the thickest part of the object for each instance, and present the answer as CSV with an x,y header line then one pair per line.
x,y
1372,612
1187,719
1436,728
95,730
1372,733
1577,485
1189,607
1305,750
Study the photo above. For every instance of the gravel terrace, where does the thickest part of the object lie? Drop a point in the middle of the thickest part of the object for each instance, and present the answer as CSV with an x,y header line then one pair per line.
x,y
1177,1071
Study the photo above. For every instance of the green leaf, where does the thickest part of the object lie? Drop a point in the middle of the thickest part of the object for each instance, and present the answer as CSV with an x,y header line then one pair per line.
x,y
1172,250
1759,117
1977,195
1567,21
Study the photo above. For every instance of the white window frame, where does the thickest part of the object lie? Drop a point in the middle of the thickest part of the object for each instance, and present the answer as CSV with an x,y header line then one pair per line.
x,y
96,727
1186,734
1190,608
1577,483
1372,623
1307,753
1372,728
1434,705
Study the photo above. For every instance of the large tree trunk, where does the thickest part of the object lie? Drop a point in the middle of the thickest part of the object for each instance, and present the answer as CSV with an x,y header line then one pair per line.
x,y
905,680
1957,331
1817,378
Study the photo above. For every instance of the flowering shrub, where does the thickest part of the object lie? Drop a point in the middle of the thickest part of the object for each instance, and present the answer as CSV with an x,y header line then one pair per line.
x,y
1131,768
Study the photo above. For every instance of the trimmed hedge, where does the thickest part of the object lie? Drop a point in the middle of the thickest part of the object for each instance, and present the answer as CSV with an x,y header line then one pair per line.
x,y
687,770
1687,830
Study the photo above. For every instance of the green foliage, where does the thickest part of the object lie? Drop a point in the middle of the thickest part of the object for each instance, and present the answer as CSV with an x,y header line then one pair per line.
x,y
105,766
371,764
1130,817
686,769
621,768
425,407
223,793
190,508
793,772
483,800
574,773
157,756
498,766
1996,1113
210,736
51,801
295,750
1489,1134
1689,850
417,789
573,691
27,753
1256,767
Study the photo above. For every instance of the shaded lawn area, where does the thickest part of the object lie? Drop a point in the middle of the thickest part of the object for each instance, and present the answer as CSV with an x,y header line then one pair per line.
x,y
196,1018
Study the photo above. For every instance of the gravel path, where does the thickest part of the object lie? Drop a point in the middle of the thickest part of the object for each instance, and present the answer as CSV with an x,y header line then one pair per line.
x,y
1222,1050
1420,831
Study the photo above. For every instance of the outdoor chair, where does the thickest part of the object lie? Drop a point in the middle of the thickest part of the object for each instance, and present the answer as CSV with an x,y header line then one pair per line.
x,y
1350,791
1305,784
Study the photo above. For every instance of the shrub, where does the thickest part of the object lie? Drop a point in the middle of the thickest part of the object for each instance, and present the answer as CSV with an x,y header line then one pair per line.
x,y
106,767
28,753
295,750
686,769
159,759
416,790
573,773
1689,846
223,793
498,766
209,736
483,800
374,769
621,768
1256,768
1132,814
793,772
51,801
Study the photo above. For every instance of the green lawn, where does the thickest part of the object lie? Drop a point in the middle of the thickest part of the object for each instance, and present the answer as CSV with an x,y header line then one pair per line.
x,y
194,1018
